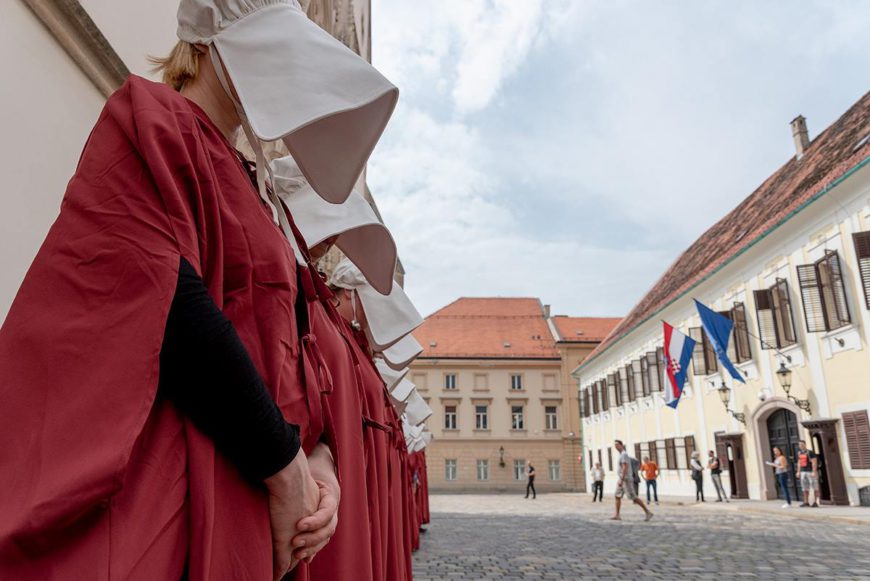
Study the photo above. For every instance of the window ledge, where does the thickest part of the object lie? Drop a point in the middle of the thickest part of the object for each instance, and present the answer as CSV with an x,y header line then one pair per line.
x,y
843,339
482,430
519,430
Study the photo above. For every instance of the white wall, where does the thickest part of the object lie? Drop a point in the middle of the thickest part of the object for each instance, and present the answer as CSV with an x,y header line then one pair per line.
x,y
47,109
136,28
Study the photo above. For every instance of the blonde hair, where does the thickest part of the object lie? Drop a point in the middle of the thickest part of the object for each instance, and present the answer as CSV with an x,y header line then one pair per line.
x,y
180,66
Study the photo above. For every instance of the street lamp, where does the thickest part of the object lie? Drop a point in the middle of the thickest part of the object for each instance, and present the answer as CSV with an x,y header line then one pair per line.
x,y
725,396
783,374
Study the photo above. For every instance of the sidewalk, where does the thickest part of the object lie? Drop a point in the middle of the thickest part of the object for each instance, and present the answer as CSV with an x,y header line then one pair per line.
x,y
846,514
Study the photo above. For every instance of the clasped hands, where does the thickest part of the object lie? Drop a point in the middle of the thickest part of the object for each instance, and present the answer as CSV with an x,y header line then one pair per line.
x,y
303,508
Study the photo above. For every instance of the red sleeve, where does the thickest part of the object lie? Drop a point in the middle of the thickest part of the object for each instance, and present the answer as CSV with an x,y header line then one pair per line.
x,y
79,348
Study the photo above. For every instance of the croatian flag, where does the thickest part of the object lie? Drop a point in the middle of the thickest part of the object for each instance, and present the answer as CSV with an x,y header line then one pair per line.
x,y
678,353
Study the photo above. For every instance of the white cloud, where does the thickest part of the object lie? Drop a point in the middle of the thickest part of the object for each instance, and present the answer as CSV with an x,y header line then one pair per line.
x,y
632,126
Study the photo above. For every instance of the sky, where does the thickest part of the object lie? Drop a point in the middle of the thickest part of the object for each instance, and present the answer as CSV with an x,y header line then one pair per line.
x,y
572,149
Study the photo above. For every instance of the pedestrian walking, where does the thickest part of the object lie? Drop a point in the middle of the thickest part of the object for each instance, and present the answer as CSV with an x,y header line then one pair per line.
x,y
780,464
626,486
698,476
598,483
531,485
808,473
650,471
715,466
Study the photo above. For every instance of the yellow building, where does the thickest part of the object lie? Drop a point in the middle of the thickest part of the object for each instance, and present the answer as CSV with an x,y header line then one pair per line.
x,y
790,265
493,372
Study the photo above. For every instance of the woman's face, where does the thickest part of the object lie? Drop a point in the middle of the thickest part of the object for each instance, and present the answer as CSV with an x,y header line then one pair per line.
x,y
777,451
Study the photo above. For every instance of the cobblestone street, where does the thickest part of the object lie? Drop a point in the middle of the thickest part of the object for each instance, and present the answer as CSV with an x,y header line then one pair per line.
x,y
562,536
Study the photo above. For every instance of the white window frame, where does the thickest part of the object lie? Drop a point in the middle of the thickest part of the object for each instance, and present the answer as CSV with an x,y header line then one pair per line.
x,y
450,470
518,418
483,470
554,469
450,381
519,469
551,420
451,418
481,418
516,382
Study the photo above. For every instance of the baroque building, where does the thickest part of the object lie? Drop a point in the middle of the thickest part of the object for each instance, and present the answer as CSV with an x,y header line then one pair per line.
x,y
790,266
496,373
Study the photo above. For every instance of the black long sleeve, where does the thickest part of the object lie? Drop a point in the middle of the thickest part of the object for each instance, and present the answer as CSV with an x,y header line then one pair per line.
x,y
208,374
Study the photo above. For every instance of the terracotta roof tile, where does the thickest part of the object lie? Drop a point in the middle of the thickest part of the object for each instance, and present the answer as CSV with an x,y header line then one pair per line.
x,y
829,157
583,329
489,328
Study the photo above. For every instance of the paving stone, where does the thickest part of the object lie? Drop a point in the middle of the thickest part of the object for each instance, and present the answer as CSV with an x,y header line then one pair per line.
x,y
502,538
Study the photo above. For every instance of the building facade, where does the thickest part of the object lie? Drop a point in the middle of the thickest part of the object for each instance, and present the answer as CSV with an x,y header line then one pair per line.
x,y
790,266
493,372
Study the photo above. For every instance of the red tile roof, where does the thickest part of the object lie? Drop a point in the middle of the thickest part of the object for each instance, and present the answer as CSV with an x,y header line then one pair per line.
x,y
830,157
488,328
583,329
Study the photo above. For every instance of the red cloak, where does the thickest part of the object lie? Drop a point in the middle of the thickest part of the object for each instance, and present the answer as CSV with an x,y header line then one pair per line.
x,y
100,478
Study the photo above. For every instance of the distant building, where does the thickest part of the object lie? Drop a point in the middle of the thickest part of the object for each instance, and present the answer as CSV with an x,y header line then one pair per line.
x,y
790,266
496,372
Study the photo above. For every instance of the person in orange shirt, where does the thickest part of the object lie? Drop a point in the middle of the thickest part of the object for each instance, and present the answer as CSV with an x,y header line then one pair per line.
x,y
650,471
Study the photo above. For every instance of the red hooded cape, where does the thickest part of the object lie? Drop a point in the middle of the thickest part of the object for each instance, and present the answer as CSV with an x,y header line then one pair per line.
x,y
100,478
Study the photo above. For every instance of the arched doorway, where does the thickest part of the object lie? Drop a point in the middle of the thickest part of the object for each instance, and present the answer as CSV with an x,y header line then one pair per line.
x,y
783,432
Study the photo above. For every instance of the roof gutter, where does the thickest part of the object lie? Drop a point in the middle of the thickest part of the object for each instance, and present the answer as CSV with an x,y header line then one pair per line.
x,y
762,236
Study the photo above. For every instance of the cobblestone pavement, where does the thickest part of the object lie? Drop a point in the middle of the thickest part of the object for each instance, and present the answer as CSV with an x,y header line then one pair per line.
x,y
564,536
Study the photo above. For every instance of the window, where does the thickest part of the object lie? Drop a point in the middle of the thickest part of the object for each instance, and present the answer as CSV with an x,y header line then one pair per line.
x,y
671,454
775,320
516,381
629,382
483,469
638,377
660,451
519,469
585,410
862,251
450,470
680,453
609,459
599,458
450,381
740,334
654,376
622,391
612,391
637,452
591,463
555,469
517,421
824,294
704,359
450,417
551,420
593,389
690,447
481,417
857,428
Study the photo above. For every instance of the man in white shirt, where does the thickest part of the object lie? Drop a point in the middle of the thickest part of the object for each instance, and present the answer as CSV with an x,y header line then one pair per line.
x,y
626,485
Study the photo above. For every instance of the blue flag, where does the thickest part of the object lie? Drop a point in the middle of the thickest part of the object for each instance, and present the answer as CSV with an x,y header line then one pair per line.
x,y
718,330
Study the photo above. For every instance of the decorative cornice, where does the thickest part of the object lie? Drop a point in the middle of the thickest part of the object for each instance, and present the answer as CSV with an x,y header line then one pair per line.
x,y
74,30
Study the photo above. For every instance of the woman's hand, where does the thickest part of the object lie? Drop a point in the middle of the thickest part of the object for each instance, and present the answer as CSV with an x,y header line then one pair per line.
x,y
317,529
293,495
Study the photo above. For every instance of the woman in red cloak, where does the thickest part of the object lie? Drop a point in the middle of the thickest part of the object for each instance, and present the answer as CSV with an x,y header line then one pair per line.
x,y
106,474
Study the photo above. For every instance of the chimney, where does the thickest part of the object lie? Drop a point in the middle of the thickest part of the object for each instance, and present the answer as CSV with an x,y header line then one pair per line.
x,y
800,134
546,311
